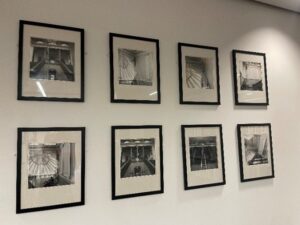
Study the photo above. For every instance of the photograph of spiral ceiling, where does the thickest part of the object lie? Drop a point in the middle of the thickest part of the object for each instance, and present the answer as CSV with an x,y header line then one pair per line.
x,y
50,168
51,164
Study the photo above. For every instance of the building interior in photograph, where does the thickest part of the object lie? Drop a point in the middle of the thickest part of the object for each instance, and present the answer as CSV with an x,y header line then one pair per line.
x,y
136,67
137,157
51,165
203,153
52,60
197,73
256,149
251,76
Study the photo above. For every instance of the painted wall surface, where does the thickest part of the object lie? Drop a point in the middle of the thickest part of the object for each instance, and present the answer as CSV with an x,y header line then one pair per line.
x,y
228,24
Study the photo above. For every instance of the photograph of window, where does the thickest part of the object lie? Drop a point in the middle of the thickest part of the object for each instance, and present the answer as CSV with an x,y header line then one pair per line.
x,y
51,62
198,74
50,168
250,78
203,156
134,69
255,151
137,161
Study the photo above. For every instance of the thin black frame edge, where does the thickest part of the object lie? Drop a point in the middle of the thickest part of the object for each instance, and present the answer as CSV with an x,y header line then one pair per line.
x,y
113,175
234,72
216,49
242,178
111,61
22,23
20,130
183,126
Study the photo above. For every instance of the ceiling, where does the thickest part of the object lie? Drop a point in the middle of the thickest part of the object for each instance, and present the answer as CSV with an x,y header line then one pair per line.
x,y
293,5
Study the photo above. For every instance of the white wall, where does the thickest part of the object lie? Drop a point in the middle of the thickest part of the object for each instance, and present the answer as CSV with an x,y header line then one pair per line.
x,y
227,24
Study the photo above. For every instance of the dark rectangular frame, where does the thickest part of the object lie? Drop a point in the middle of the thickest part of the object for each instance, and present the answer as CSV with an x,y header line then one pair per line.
x,y
234,52
111,54
20,63
241,155
19,167
180,45
186,187
113,172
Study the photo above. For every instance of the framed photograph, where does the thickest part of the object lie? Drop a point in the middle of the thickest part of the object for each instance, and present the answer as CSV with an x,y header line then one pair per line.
x,y
137,161
203,156
51,62
250,78
134,69
50,168
198,74
255,151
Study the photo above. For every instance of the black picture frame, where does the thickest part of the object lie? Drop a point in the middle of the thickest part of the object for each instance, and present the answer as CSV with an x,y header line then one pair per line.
x,y
113,99
20,96
20,132
115,196
241,160
184,146
181,90
235,79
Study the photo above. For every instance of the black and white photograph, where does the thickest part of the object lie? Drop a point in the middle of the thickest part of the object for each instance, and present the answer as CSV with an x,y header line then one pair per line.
x,y
250,78
134,64
198,74
50,168
203,155
51,165
255,151
137,157
137,161
136,67
51,62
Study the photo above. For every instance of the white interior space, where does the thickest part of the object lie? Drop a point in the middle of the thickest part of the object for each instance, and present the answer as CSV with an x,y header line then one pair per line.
x,y
226,24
